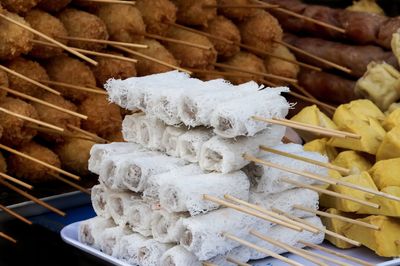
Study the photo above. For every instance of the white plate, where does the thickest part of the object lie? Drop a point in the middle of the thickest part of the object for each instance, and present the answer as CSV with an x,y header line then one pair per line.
x,y
70,235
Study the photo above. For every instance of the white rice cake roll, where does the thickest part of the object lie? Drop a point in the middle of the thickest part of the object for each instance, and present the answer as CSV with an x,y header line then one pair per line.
x,y
140,168
226,155
179,256
151,251
154,182
130,131
234,118
287,199
119,203
189,144
167,227
150,132
117,90
99,195
240,253
109,238
128,246
203,234
139,217
89,230
186,194
287,236
170,140
116,167
99,152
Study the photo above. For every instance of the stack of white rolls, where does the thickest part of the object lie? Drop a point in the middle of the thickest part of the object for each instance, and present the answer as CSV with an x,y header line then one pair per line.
x,y
185,144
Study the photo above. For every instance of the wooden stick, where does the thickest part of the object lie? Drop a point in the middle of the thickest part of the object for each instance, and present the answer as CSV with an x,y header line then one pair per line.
x,y
14,73
338,254
64,134
72,184
326,258
150,58
111,2
32,120
307,160
331,193
32,198
208,264
14,214
322,229
47,38
76,87
312,100
235,261
34,99
242,6
338,217
222,73
294,250
161,38
267,212
7,237
39,162
126,44
87,133
16,181
250,212
262,250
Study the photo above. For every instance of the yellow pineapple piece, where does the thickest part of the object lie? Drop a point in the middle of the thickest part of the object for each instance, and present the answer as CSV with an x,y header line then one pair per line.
x,y
336,226
392,120
386,173
320,146
390,147
352,160
388,207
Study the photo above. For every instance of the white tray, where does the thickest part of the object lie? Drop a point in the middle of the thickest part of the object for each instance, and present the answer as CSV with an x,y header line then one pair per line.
x,y
70,235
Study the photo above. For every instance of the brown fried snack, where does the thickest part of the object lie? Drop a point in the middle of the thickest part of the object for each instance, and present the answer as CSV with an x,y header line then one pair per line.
x,y
19,6
3,82
236,13
194,12
246,61
53,6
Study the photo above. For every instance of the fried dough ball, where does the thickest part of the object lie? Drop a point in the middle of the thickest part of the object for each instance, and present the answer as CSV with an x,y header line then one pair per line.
x,y
104,118
85,25
260,30
49,25
191,56
72,71
28,68
155,13
14,40
236,13
53,6
193,12
3,164
3,82
34,172
15,131
224,28
280,67
124,23
116,137
19,6
55,117
74,155
157,50
245,61
112,68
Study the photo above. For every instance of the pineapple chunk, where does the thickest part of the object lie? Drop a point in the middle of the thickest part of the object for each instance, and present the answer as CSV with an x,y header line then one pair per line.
x,y
386,173
392,120
352,160
336,226
320,146
388,207
390,147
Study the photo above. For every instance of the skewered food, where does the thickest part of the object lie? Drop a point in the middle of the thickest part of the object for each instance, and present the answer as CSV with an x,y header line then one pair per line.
x,y
15,130
369,6
189,144
3,82
387,207
151,251
109,237
90,230
85,25
320,146
49,25
156,13
169,140
195,13
19,6
124,22
392,120
128,247
53,6
352,160
236,13
390,146
99,195
72,71
336,226
280,67
32,171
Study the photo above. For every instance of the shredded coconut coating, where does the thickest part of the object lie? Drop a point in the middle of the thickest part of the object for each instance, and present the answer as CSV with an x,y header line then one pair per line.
x,y
186,194
240,253
90,230
139,217
130,125
109,238
99,197
179,256
151,252
167,227
128,246
190,143
119,204
170,140
150,131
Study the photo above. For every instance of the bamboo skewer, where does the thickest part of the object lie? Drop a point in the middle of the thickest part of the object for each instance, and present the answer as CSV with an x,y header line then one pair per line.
x,y
331,193
72,184
39,162
338,254
32,198
294,250
214,72
15,215
241,6
250,212
34,99
338,217
151,59
77,87
15,180
14,73
87,133
47,38
326,258
322,229
126,44
111,2
312,100
166,39
235,261
32,120
267,212
307,160
64,134
262,250
208,264
7,237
